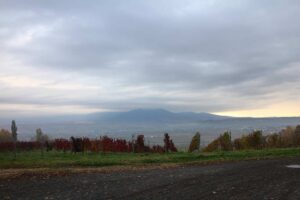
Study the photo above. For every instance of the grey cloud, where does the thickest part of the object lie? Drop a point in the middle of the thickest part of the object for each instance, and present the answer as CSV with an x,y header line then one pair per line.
x,y
220,52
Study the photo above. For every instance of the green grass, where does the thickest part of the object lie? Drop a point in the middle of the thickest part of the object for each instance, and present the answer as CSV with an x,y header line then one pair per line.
x,y
33,159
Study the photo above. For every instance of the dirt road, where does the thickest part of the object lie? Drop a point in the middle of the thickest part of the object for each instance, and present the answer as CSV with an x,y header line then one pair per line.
x,y
262,179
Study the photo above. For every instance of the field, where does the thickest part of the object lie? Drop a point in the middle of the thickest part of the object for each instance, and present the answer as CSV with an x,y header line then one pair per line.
x,y
56,159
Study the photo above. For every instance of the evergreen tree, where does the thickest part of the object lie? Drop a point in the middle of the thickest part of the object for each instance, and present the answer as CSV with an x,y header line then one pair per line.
x,y
167,142
14,130
195,143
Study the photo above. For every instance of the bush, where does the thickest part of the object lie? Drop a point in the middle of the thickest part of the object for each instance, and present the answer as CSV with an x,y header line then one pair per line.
x,y
287,136
273,141
223,142
5,136
254,140
297,136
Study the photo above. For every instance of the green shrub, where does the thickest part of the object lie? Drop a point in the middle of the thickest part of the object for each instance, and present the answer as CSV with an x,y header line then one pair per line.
x,y
195,143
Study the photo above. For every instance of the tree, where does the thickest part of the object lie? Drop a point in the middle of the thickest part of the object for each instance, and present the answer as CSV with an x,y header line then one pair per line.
x,y
255,139
140,144
14,130
167,142
77,144
238,144
297,136
287,136
195,143
223,142
41,138
5,136
172,147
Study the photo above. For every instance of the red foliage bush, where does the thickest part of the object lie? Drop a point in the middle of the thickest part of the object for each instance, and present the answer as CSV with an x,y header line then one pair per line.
x,y
62,144
103,144
6,146
172,147
158,149
28,146
21,145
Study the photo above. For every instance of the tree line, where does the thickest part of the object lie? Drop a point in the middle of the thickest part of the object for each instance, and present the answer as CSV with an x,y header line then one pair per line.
x,y
287,137
9,142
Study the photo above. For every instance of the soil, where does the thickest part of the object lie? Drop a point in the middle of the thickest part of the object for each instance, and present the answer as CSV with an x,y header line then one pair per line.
x,y
256,179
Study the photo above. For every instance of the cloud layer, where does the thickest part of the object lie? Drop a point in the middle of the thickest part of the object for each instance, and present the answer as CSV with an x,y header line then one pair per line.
x,y
212,56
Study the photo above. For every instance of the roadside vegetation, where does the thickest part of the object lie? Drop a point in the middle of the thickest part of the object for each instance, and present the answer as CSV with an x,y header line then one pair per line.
x,y
286,138
58,159
43,152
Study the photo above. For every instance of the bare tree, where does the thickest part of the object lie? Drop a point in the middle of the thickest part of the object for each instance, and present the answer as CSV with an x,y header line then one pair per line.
x,y
41,138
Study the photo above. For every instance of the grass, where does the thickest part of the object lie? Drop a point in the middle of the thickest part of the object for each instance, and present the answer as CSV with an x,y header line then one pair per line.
x,y
54,159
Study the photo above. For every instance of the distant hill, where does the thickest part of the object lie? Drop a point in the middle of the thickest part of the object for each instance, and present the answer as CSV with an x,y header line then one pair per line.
x,y
153,115
151,122
132,116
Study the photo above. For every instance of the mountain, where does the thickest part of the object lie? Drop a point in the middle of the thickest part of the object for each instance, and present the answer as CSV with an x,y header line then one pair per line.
x,y
152,122
139,116
153,115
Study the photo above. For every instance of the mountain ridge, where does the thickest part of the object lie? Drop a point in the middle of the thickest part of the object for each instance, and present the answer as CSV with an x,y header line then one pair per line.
x,y
139,116
154,115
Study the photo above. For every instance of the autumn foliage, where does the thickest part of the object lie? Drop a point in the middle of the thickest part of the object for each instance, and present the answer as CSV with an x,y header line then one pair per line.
x,y
195,143
288,137
168,144
84,144
223,142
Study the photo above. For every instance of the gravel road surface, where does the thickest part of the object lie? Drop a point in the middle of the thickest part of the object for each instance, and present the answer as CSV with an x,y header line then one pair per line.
x,y
259,179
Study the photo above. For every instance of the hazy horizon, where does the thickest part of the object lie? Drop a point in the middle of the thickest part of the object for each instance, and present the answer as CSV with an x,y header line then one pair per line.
x,y
36,115
233,58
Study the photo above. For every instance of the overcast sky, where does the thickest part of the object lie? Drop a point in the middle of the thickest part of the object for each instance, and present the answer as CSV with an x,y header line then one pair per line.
x,y
238,58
